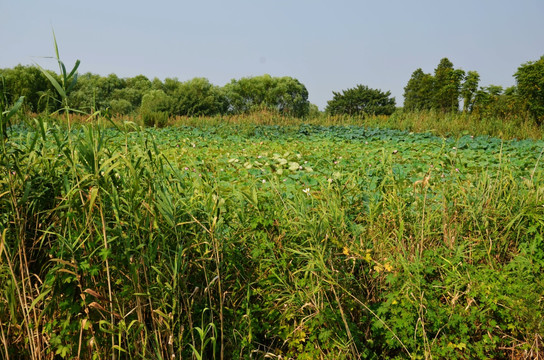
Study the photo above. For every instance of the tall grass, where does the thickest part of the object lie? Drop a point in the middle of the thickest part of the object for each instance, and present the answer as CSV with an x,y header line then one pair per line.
x,y
440,124
110,248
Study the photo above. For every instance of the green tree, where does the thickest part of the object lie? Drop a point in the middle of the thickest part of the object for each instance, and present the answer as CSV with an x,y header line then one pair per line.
x,y
87,95
95,92
468,90
27,81
447,86
139,82
494,101
289,97
285,95
361,100
156,100
418,93
314,111
121,107
196,97
129,97
157,84
530,85
134,90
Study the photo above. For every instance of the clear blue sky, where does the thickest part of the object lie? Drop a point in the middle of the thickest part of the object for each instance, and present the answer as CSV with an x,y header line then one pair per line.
x,y
327,45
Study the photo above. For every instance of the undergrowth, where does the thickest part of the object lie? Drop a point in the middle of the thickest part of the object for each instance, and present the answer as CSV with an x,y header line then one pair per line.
x,y
180,242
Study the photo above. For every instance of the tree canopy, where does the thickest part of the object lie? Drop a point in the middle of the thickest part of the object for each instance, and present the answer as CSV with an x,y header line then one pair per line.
x,y
418,93
283,94
195,97
440,91
361,100
530,84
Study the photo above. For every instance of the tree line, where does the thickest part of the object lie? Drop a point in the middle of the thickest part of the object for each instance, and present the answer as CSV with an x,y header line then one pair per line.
x,y
448,87
444,91
195,97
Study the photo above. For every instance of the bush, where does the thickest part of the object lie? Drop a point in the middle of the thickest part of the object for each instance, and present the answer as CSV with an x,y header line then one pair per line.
x,y
156,101
120,106
155,118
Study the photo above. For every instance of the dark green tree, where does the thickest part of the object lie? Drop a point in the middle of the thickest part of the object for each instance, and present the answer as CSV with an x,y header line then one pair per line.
x,y
139,82
314,111
289,97
27,81
121,107
285,95
418,93
447,86
87,95
361,100
494,101
156,100
133,92
530,85
468,90
196,97
94,92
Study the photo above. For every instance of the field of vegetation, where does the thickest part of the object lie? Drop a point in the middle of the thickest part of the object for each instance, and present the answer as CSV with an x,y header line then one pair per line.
x,y
264,229
238,239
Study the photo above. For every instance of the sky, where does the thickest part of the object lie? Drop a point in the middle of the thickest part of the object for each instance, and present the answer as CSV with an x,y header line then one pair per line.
x,y
327,45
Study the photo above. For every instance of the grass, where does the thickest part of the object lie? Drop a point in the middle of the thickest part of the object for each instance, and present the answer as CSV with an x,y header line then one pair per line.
x,y
241,238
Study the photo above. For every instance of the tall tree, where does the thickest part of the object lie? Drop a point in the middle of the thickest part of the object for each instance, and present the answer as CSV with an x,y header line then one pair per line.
x,y
418,93
447,86
468,90
530,86
135,89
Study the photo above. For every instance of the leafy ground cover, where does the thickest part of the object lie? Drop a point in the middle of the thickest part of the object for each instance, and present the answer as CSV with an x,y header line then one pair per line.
x,y
262,241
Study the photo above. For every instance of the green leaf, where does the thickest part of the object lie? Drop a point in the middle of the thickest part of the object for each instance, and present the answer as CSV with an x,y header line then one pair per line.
x,y
53,82
14,108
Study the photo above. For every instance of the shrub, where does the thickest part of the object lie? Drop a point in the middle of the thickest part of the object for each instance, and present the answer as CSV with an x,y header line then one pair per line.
x,y
155,118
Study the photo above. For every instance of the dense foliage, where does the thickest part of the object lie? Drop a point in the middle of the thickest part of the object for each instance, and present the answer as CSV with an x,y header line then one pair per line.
x,y
418,93
27,81
285,95
530,85
196,97
252,241
443,90
447,86
361,100
123,96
